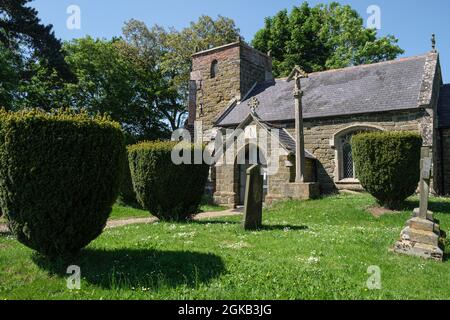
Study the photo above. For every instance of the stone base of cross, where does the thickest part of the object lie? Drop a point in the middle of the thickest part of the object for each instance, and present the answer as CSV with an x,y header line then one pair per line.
x,y
422,235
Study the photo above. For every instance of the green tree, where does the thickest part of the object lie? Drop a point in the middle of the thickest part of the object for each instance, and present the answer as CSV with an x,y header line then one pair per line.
x,y
9,79
111,80
170,51
21,29
322,37
148,47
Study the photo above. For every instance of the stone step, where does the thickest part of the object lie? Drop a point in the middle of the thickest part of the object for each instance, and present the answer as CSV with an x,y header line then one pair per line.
x,y
424,225
420,236
419,250
417,214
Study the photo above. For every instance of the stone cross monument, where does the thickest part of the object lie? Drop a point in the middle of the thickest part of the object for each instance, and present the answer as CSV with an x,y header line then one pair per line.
x,y
422,234
424,186
253,104
297,74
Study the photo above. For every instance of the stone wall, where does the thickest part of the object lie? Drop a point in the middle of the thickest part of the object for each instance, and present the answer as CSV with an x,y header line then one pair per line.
x,y
320,135
214,94
445,187
255,67
225,191
239,68
282,185
428,99
227,176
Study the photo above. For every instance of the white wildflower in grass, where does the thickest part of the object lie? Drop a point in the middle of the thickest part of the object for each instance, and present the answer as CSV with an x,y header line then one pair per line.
x,y
185,235
235,246
287,229
313,260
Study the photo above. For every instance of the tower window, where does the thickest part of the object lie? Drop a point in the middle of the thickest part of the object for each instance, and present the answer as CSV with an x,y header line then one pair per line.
x,y
214,68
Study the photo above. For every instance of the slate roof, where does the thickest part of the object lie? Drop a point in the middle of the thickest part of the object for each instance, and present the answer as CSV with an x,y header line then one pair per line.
x,y
379,87
284,138
287,141
444,107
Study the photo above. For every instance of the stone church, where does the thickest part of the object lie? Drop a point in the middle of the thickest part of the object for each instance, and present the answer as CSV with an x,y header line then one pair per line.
x,y
405,94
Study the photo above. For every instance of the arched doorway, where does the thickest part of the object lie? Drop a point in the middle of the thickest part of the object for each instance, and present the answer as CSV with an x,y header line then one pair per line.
x,y
241,168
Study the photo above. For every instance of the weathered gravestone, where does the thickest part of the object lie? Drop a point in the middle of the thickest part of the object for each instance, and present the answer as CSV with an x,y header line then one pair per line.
x,y
253,199
421,237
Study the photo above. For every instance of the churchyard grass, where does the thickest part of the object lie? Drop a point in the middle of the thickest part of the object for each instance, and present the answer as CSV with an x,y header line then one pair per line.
x,y
318,249
121,212
212,208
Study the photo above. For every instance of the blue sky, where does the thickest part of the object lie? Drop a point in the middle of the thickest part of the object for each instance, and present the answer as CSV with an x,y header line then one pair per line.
x,y
412,21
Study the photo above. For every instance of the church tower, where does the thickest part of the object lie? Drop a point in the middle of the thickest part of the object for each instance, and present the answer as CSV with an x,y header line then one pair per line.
x,y
222,74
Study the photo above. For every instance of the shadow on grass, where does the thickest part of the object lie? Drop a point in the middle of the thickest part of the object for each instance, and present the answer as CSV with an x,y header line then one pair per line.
x,y
434,205
283,228
207,222
263,228
126,268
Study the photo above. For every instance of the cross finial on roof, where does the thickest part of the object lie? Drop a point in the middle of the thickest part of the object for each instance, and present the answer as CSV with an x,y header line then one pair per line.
x,y
253,104
433,42
297,73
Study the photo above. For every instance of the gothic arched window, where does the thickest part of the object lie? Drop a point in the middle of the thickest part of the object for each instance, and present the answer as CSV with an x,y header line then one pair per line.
x,y
341,142
348,170
214,68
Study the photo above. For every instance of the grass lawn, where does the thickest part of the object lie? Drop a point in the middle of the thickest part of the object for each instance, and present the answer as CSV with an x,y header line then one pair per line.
x,y
123,212
317,249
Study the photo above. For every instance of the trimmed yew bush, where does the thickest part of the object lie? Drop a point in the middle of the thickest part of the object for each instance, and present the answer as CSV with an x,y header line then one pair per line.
x,y
127,196
170,192
60,174
388,165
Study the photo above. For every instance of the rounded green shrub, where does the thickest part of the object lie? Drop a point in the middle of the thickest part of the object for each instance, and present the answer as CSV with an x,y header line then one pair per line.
x,y
170,192
388,165
127,196
60,174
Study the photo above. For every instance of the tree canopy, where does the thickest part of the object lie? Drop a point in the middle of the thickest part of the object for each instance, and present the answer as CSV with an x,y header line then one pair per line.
x,y
327,36
141,78
112,80
9,78
170,51
22,30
